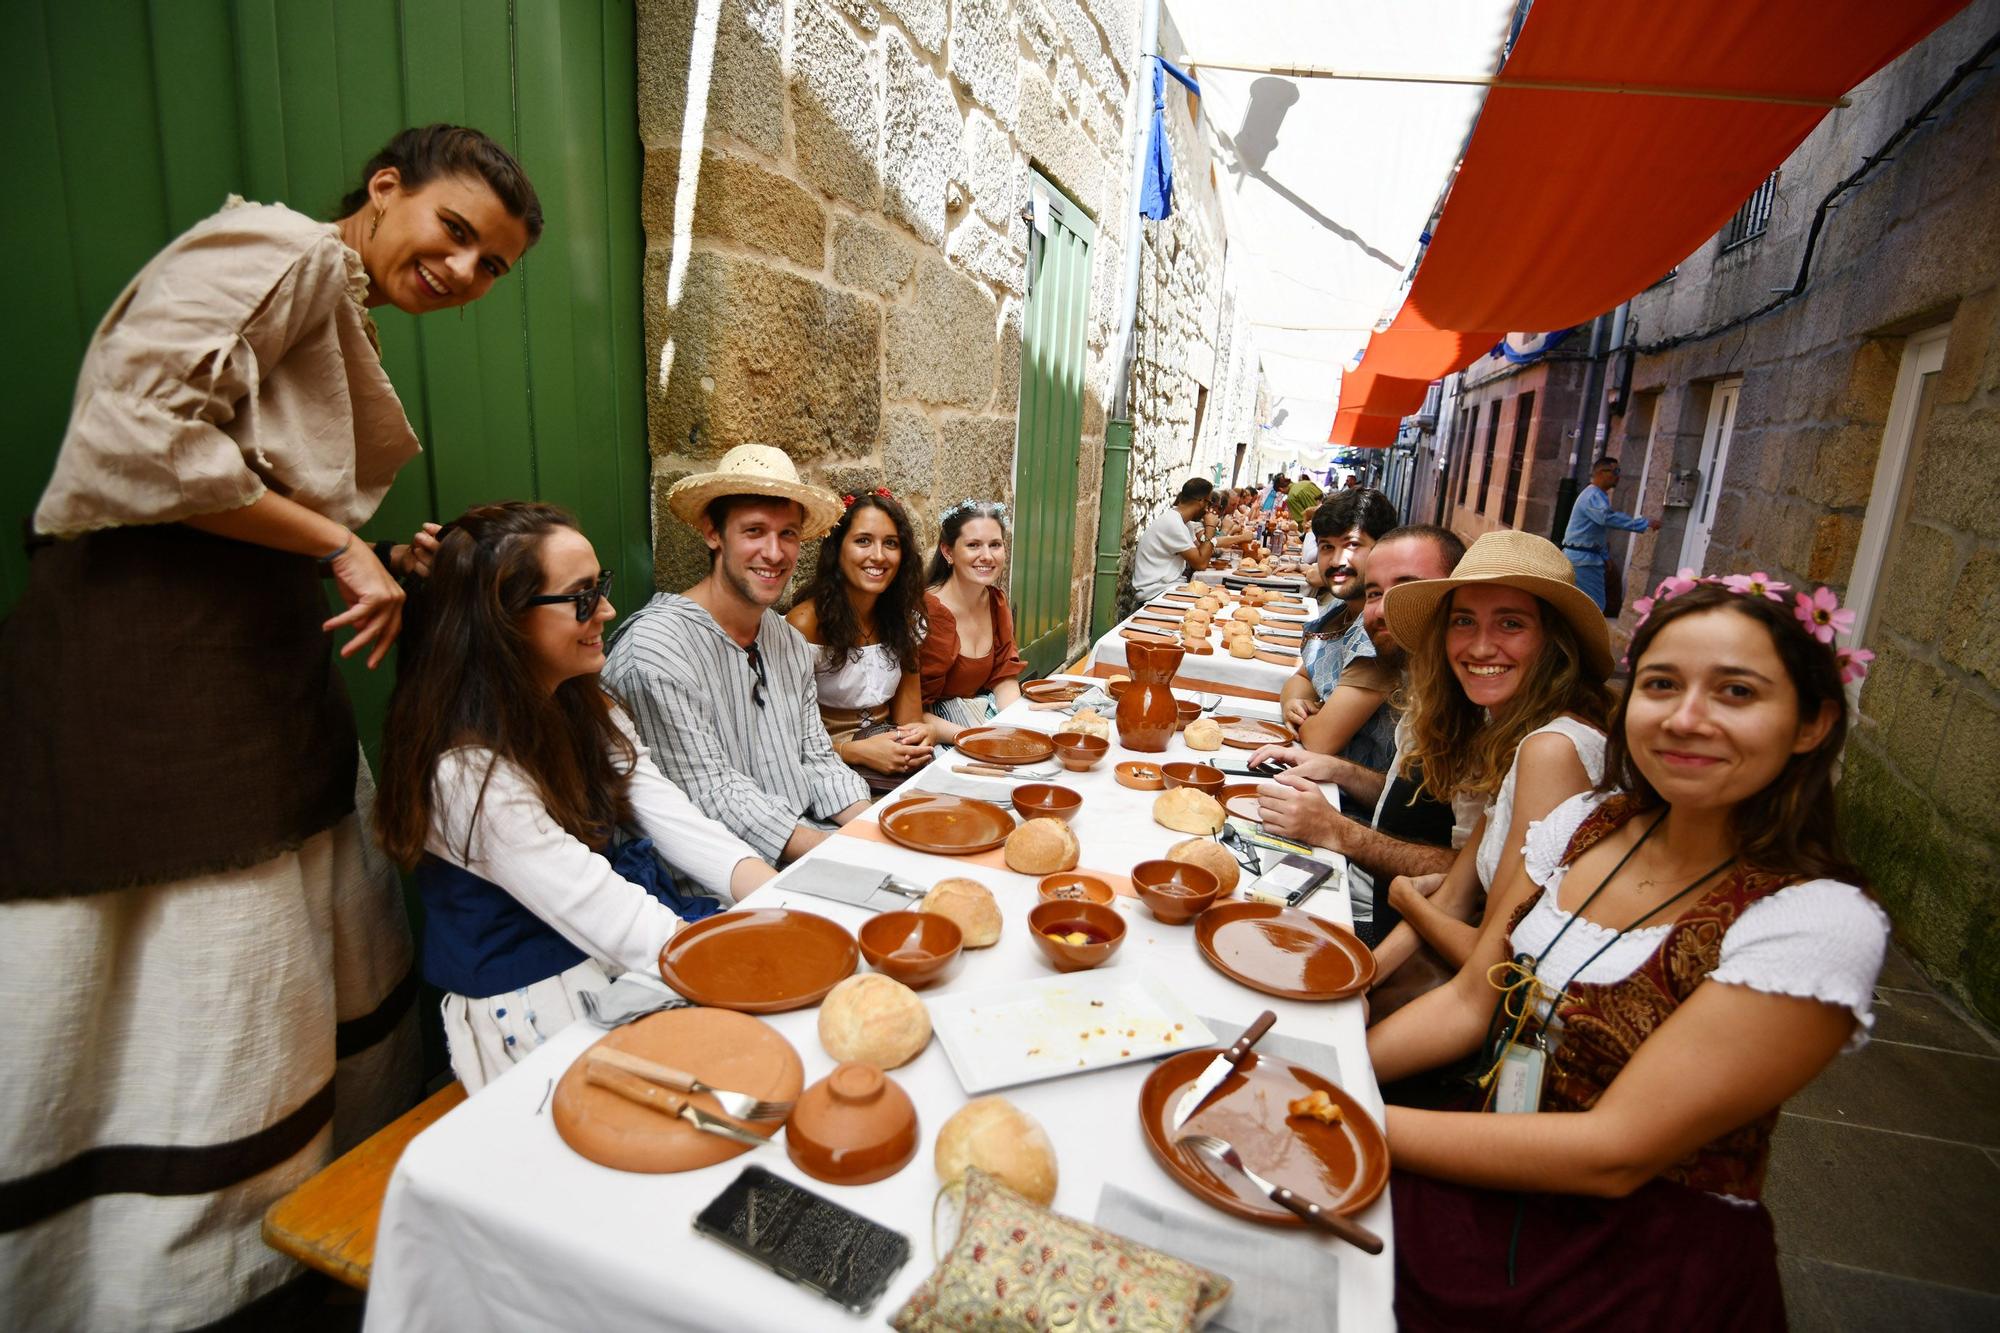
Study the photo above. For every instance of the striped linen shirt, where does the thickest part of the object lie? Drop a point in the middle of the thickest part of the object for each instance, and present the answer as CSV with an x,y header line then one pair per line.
x,y
687,685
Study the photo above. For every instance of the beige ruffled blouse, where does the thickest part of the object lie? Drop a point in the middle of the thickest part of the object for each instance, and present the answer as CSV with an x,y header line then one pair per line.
x,y
240,360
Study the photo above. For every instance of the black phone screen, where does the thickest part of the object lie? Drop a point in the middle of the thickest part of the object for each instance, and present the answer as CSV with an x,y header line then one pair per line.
x,y
811,1240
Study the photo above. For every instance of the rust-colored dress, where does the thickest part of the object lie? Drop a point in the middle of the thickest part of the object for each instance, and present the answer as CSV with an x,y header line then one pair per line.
x,y
944,674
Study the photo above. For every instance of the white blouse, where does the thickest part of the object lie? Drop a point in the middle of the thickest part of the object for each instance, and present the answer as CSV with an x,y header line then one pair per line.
x,y
866,680
1819,940
517,846
1589,743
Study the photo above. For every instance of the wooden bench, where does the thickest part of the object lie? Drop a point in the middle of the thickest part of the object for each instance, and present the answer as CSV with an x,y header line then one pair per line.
x,y
328,1223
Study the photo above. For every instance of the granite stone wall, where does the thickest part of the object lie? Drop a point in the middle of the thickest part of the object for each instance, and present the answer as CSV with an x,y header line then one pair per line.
x,y
836,246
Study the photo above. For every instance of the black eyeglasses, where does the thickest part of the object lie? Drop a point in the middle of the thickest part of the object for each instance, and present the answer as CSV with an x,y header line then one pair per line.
x,y
757,669
585,601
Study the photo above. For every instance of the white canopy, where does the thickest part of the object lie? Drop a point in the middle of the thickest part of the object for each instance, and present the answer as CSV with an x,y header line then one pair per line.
x,y
1325,183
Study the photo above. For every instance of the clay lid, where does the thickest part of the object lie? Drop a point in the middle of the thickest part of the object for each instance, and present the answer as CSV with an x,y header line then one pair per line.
x,y
852,1127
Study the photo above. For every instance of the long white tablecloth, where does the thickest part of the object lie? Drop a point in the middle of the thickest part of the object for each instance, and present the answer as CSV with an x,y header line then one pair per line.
x,y
491,1222
1263,679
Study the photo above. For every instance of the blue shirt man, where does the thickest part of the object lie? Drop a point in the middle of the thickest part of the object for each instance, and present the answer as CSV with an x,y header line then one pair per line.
x,y
1586,541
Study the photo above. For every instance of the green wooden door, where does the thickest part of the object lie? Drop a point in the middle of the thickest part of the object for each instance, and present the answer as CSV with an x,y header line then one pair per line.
x,y
126,122
1049,428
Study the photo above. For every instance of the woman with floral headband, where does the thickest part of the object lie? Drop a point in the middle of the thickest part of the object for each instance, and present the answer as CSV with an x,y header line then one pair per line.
x,y
970,666
1676,954
864,613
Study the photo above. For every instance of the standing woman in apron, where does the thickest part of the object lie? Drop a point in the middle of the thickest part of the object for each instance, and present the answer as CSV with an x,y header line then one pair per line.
x,y
204,962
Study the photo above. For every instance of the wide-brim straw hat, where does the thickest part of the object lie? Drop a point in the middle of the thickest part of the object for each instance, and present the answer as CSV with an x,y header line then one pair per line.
x,y
754,469
1515,560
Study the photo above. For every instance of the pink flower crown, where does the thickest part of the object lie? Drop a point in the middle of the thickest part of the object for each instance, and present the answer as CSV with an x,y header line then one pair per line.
x,y
1819,611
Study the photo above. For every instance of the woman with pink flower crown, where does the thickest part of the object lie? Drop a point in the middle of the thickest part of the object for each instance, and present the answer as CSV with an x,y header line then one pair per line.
x,y
1675,954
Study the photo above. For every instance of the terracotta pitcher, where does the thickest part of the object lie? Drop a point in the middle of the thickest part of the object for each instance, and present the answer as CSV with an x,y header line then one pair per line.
x,y
1146,713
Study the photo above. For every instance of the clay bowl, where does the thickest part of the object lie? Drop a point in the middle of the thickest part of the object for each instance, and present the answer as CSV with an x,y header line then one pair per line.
x,y
915,948
1045,800
1069,886
852,1127
1103,924
1116,689
1174,891
1080,753
1185,711
1140,776
1199,776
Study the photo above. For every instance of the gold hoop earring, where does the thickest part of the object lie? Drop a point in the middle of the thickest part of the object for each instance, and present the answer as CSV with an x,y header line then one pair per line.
x,y
376,224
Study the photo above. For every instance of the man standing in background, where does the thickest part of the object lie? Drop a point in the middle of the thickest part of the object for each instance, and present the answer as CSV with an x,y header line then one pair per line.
x,y
1586,541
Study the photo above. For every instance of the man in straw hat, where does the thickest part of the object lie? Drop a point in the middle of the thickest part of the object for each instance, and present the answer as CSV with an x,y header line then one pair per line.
x,y
719,686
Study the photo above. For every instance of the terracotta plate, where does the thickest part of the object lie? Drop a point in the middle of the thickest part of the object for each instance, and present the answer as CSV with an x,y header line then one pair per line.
x,y
1145,636
1240,799
1250,733
1052,691
1276,658
947,825
1140,776
1344,1165
1283,951
759,960
1005,745
1152,622
734,1050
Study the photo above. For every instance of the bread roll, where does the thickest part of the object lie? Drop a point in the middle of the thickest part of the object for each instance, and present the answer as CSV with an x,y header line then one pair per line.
x,y
875,1020
971,907
1041,847
1089,722
1211,856
1186,810
1249,615
1198,645
1209,604
1113,681
1204,733
1002,1140
1240,646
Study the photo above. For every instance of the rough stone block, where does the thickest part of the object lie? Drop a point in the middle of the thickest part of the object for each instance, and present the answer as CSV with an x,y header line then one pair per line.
x,y
921,150
977,460
1958,472
940,345
836,112
1843,466
909,452
1917,582
1917,735
1119,20
1884,681
1087,45
991,171
1971,637
747,86
870,257
924,19
1834,538
974,248
982,56
1963,786
860,13
764,356
680,560
1039,32
1967,347
1060,146
737,200
1871,381
1007,359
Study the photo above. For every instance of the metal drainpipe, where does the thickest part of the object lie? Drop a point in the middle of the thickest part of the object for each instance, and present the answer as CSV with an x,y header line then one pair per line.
x,y
1118,427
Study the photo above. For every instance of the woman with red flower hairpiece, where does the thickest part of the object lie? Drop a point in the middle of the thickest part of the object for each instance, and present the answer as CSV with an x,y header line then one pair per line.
x,y
1677,953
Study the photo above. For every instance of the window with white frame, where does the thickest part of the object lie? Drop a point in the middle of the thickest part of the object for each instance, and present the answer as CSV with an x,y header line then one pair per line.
x,y
1752,218
1889,500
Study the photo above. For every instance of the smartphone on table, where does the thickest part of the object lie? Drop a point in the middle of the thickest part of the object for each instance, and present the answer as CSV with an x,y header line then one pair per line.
x,y
810,1240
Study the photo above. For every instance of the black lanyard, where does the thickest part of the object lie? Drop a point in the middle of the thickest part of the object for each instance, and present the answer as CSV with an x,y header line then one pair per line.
x,y
1530,967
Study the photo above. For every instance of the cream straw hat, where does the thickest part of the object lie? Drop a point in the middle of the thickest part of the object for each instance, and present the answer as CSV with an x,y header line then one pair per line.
x,y
1516,560
754,469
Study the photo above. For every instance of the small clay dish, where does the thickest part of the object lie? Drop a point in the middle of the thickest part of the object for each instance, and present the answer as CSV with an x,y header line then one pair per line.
x,y
1070,887
1045,800
1140,777
1116,689
1240,799
915,948
1185,711
852,1127
1174,891
1055,926
1201,777
1080,752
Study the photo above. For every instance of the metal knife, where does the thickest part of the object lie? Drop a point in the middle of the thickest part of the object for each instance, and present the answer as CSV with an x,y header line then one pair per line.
x,y
1220,1068
1339,1224
654,1097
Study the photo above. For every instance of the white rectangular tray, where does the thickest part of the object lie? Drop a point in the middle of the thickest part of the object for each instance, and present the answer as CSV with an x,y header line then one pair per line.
x,y
1064,1024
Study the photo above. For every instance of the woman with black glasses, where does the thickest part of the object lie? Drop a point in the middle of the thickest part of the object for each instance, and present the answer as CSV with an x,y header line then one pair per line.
x,y
518,791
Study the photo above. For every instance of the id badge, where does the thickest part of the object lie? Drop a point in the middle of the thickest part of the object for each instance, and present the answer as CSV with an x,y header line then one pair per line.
x,y
1518,1086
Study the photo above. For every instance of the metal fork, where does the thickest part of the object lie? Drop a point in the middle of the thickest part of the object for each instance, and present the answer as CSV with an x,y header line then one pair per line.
x,y
736,1105
1344,1227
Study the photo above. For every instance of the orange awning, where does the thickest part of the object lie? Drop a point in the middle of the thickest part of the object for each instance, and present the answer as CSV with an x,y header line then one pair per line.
x,y
1569,202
